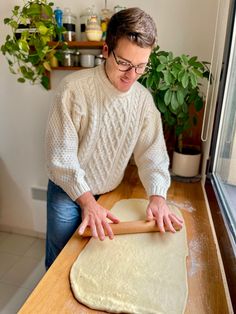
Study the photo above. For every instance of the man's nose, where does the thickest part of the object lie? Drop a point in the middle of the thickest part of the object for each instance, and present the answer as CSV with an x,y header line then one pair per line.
x,y
132,72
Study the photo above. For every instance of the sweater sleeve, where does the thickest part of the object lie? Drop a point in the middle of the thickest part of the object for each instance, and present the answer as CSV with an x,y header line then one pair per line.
x,y
62,143
150,153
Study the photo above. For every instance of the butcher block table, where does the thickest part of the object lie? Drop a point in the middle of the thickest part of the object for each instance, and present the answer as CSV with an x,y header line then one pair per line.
x,y
206,282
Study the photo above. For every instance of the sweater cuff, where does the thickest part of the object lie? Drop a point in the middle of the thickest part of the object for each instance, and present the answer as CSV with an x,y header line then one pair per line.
x,y
157,190
76,191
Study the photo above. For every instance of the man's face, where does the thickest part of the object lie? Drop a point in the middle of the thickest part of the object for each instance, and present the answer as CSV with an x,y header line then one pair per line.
x,y
125,52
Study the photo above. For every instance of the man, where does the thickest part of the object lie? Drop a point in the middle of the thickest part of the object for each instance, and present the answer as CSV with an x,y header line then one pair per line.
x,y
100,117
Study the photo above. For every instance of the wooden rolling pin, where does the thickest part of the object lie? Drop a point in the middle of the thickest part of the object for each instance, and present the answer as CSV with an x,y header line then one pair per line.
x,y
139,226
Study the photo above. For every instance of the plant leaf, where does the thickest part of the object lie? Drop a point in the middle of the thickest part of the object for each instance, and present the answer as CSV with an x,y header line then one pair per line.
x,y
21,80
184,58
47,11
197,72
185,80
34,9
180,75
192,60
174,102
167,97
42,29
6,20
167,77
12,70
15,10
23,45
33,59
181,115
149,81
197,65
185,107
193,80
160,67
180,96
163,59
45,82
163,86
160,105
47,66
13,24
169,119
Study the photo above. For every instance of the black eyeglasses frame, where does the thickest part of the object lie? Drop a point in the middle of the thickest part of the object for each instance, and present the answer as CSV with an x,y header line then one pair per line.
x,y
131,66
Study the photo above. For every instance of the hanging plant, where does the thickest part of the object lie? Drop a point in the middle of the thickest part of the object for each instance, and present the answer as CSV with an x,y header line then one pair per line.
x,y
27,48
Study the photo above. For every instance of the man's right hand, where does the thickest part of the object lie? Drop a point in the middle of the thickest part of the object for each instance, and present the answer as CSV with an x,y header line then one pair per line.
x,y
95,216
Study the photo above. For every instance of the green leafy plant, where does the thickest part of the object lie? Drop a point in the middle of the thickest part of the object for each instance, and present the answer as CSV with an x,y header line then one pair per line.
x,y
27,48
175,85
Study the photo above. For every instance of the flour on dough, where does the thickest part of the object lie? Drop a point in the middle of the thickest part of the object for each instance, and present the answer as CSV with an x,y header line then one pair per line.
x,y
136,273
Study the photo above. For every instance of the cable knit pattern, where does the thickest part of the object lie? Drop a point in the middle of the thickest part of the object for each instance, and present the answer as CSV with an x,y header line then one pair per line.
x,y
93,129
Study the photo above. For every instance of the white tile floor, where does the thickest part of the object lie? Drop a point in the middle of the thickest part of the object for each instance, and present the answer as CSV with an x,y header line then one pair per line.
x,y
21,268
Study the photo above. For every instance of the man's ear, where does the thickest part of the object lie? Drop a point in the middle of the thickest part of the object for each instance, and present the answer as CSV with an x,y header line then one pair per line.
x,y
105,51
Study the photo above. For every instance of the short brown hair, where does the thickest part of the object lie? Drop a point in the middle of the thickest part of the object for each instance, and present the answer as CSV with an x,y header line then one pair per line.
x,y
134,24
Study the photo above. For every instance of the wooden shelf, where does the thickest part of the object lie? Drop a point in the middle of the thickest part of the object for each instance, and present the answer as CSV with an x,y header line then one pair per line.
x,y
74,44
79,44
63,68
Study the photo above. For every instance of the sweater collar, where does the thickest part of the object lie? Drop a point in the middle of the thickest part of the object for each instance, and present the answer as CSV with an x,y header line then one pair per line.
x,y
110,89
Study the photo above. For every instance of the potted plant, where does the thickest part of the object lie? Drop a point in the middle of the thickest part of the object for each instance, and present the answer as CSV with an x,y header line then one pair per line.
x,y
175,85
27,48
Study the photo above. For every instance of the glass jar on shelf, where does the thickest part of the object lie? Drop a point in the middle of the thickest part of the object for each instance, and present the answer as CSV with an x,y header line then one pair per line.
x,y
105,17
69,22
68,57
85,15
93,29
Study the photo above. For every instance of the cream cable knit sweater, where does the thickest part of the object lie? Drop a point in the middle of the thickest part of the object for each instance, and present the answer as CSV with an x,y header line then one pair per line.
x,y
93,129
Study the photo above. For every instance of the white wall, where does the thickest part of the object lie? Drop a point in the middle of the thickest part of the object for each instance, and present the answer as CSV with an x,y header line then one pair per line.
x,y
184,26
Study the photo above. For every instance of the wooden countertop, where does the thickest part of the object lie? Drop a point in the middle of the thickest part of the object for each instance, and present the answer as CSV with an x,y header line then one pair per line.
x,y
207,290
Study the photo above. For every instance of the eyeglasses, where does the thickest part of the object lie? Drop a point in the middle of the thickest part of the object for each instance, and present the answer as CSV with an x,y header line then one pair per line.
x,y
125,66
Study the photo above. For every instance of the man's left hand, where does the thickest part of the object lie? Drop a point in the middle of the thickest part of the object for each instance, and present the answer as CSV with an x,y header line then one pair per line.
x,y
159,211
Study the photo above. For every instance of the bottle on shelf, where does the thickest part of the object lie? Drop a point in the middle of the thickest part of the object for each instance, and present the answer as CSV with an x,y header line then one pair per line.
x,y
58,16
69,22
85,15
105,17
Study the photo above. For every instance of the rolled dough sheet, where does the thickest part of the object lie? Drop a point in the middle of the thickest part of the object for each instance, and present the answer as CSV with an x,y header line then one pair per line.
x,y
135,273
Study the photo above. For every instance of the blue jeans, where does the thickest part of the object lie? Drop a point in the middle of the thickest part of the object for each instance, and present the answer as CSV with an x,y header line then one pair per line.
x,y
63,218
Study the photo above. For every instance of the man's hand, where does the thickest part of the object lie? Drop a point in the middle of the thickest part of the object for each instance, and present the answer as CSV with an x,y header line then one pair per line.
x,y
95,216
159,211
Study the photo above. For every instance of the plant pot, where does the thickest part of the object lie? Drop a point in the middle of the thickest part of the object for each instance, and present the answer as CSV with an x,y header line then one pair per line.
x,y
186,164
